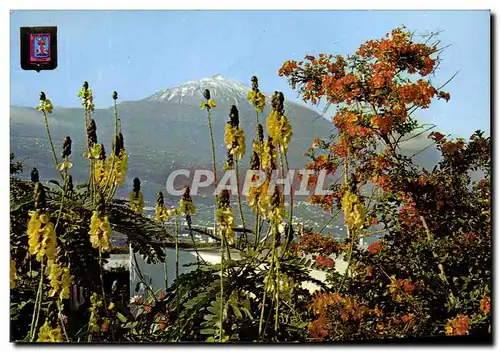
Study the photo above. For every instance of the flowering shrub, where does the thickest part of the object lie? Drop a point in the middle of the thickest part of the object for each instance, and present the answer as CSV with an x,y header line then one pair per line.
x,y
428,274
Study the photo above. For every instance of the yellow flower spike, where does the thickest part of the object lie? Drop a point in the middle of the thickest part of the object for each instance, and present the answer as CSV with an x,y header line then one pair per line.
x,y
354,211
279,128
100,231
44,219
65,283
256,97
49,241
269,154
45,105
48,107
225,219
102,172
258,100
94,153
161,213
186,207
65,165
210,104
41,237
264,201
258,147
136,202
234,137
55,272
171,212
47,334
120,166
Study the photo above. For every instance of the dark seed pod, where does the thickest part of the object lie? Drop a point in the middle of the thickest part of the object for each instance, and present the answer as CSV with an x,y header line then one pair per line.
x,y
69,184
234,116
260,132
281,97
115,95
101,204
186,196
230,159
66,147
206,94
255,83
275,101
223,200
137,186
86,85
35,177
39,196
92,133
118,144
159,199
255,161
271,150
120,135
42,96
281,103
102,154
276,199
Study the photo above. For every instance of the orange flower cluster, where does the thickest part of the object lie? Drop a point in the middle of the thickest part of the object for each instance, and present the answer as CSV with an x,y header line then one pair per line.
x,y
325,202
321,162
448,147
420,93
407,317
346,88
457,326
352,124
335,311
374,77
325,261
375,247
401,52
315,243
399,287
383,123
408,214
485,305
301,73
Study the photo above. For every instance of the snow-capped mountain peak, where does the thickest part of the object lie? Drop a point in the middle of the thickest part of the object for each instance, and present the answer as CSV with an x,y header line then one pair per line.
x,y
222,89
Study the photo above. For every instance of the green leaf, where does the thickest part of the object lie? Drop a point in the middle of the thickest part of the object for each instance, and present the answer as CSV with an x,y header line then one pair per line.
x,y
55,182
207,331
121,317
213,310
237,312
209,317
247,312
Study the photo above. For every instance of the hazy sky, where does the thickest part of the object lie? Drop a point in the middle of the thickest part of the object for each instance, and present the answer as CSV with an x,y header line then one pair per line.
x,y
140,52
